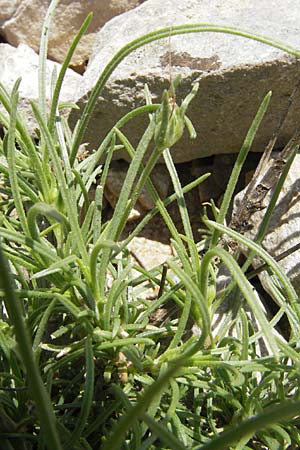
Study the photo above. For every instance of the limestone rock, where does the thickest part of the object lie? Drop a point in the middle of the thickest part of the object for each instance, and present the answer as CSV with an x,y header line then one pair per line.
x,y
234,73
149,253
23,24
23,62
284,227
8,9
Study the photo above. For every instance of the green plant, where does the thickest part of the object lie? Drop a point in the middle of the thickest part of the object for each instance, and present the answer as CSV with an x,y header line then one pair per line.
x,y
82,345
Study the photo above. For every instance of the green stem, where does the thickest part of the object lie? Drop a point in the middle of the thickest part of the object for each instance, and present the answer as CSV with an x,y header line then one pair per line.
x,y
245,288
46,210
63,70
281,412
239,164
38,390
43,56
11,159
65,191
116,439
290,291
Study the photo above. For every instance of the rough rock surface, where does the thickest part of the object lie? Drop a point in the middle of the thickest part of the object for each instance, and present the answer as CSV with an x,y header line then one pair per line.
x,y
19,16
147,254
8,9
23,62
284,227
234,73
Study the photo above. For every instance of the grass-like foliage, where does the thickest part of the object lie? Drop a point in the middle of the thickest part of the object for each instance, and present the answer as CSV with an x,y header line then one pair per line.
x,y
83,365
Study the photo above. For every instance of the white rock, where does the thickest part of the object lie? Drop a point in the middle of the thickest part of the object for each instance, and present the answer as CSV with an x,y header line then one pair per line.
x,y
23,24
235,73
149,253
23,62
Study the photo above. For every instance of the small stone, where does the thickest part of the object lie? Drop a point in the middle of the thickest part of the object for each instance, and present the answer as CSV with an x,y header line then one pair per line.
x,y
149,253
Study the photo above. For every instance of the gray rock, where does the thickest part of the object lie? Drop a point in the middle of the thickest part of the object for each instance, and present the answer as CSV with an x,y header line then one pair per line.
x,y
22,23
23,62
234,73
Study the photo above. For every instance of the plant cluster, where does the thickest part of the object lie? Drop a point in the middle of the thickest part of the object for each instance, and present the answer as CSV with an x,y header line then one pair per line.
x,y
83,365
